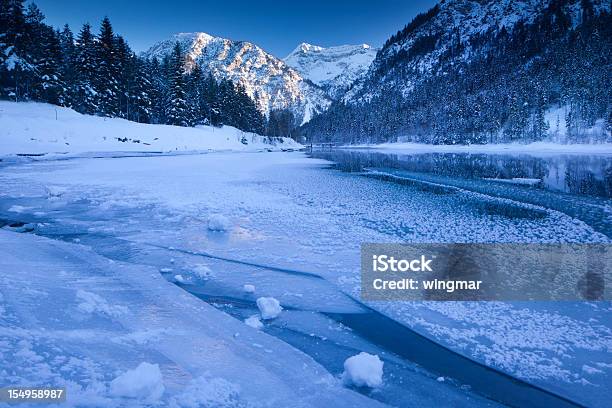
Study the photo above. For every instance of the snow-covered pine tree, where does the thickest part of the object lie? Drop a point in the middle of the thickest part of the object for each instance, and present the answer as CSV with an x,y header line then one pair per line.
x,y
177,111
68,50
33,51
49,82
212,97
13,67
107,78
84,92
126,76
195,96
158,90
142,92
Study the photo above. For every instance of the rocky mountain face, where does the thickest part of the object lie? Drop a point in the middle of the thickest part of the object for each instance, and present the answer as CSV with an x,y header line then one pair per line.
x,y
478,71
267,80
334,69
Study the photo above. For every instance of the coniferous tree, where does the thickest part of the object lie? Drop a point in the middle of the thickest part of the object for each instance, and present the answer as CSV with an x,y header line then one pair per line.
x,y
13,67
107,79
68,51
212,97
158,91
177,111
195,96
125,66
84,93
50,86
142,92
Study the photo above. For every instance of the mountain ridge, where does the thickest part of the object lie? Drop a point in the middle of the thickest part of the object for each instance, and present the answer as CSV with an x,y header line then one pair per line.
x,y
271,83
335,68
483,71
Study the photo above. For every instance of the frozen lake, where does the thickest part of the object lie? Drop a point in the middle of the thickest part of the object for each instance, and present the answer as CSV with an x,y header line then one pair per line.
x,y
294,229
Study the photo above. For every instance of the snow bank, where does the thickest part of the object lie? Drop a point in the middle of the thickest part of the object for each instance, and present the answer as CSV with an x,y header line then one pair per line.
x,y
39,128
269,307
144,383
363,370
517,180
218,222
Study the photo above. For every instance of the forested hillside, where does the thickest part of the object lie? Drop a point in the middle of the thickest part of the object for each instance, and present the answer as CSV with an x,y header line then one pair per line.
x,y
99,74
485,72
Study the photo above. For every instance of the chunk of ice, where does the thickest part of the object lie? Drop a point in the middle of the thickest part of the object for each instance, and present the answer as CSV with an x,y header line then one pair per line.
x,y
254,322
363,370
269,307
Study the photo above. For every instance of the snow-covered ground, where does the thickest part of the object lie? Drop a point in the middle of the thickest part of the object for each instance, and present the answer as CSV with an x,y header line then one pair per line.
x,y
39,128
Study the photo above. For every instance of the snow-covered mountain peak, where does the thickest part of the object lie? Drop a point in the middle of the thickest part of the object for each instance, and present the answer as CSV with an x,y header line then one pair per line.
x,y
332,68
270,82
305,48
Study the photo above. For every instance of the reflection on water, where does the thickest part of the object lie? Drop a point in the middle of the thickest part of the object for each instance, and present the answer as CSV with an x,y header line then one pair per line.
x,y
574,174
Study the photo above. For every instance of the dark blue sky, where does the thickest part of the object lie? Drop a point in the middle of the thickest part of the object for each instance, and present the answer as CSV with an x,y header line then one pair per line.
x,y
277,26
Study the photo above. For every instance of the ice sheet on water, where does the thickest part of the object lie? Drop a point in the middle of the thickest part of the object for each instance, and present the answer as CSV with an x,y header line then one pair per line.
x,y
270,205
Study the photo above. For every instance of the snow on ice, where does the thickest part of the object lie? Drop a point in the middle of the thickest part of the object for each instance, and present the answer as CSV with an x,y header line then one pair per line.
x,y
248,288
202,271
218,222
205,391
92,303
144,383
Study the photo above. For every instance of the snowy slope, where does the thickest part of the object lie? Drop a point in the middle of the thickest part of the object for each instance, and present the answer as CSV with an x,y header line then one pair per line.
x,y
332,68
38,128
267,79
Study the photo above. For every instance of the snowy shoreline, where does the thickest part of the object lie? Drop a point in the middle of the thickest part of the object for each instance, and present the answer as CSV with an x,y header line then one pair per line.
x,y
531,148
39,129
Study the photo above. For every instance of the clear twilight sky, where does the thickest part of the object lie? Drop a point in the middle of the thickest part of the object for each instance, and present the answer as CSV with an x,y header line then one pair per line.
x,y
276,26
